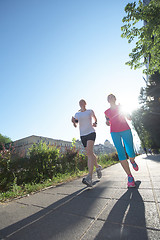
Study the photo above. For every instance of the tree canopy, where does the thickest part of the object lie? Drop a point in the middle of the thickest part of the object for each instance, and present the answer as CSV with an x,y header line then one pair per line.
x,y
146,120
146,35
4,140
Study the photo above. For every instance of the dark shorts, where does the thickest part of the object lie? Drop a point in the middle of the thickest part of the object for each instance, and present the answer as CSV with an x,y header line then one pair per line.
x,y
91,136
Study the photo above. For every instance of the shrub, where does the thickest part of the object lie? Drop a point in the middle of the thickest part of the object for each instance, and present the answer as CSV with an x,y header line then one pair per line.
x,y
4,141
44,162
73,161
6,171
107,157
82,161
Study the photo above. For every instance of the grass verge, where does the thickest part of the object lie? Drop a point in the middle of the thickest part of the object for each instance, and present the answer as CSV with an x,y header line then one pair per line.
x,y
26,189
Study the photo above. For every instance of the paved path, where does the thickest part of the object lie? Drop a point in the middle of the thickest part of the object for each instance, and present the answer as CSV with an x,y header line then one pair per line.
x,y
107,211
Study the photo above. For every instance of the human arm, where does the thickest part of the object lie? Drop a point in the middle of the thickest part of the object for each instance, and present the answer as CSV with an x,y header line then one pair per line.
x,y
107,117
95,119
107,121
74,121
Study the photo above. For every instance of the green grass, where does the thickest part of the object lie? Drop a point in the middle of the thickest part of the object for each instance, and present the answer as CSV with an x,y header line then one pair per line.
x,y
19,191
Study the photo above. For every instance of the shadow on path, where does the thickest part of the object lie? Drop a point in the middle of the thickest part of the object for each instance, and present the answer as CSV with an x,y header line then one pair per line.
x,y
155,157
57,221
126,219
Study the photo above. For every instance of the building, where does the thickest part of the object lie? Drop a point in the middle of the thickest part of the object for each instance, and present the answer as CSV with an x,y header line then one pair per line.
x,y
24,144
105,148
102,149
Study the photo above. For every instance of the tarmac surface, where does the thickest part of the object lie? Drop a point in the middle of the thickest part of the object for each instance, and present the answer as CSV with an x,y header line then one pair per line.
x,y
72,211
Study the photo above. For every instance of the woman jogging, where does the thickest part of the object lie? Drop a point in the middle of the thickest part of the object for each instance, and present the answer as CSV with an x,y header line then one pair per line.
x,y
88,135
120,130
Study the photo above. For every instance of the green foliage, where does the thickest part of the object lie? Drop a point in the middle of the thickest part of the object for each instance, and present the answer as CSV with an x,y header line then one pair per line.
x,y
108,159
73,160
3,141
137,122
43,162
151,118
82,162
12,166
146,120
6,174
147,36
73,142
44,166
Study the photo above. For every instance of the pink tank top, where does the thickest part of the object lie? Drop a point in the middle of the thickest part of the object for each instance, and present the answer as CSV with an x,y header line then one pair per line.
x,y
116,119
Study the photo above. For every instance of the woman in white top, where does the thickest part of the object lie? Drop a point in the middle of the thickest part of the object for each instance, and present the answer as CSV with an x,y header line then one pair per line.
x,y
88,135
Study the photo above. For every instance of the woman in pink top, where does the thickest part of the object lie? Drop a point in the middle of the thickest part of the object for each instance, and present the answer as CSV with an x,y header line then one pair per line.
x,y
120,130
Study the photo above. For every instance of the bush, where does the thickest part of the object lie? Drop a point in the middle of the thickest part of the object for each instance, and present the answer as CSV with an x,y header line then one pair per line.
x,y
73,161
7,174
107,157
4,141
82,161
43,162
155,151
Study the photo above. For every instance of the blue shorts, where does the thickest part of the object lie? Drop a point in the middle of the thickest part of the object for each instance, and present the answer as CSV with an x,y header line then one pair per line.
x,y
127,138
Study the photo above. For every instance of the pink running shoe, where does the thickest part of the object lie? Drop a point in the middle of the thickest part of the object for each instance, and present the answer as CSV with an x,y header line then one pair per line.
x,y
131,182
134,165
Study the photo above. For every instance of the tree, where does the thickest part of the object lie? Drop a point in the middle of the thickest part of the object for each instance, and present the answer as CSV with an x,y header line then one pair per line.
x,y
152,116
4,140
146,120
146,52
137,122
147,36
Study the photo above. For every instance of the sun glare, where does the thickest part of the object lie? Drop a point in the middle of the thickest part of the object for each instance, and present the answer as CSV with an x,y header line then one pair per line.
x,y
129,107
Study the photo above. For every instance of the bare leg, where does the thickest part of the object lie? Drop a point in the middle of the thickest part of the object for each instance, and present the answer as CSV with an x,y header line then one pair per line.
x,y
92,160
125,166
95,162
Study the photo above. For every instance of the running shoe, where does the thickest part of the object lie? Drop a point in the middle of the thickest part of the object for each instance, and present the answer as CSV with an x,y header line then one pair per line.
x,y
99,172
88,181
131,182
134,165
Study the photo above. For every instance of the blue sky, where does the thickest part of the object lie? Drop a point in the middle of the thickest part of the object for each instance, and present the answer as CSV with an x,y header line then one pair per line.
x,y
55,52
